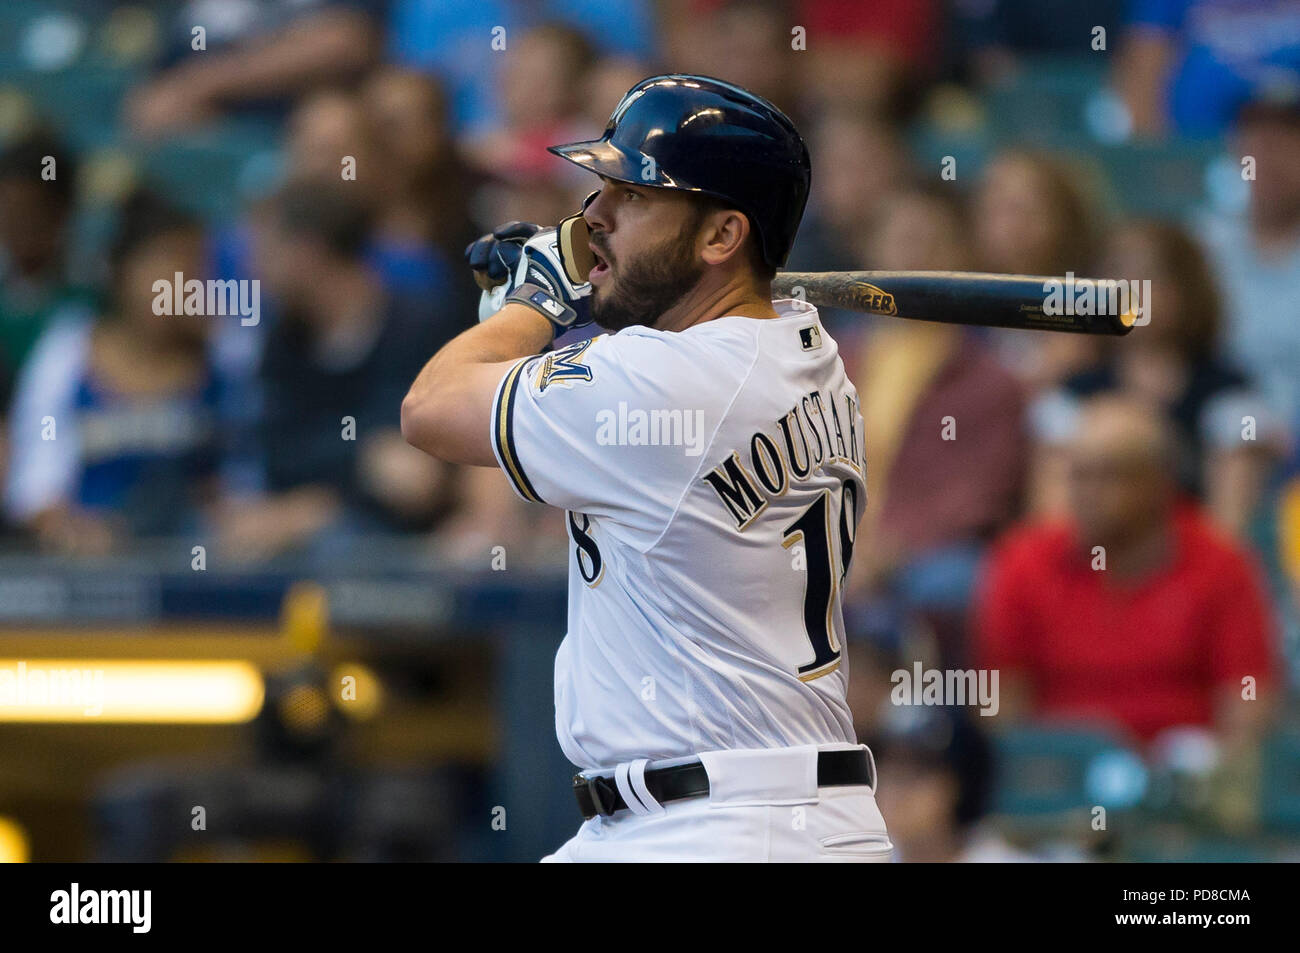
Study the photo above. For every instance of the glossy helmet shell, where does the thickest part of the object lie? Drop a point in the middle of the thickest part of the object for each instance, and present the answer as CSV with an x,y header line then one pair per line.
x,y
698,134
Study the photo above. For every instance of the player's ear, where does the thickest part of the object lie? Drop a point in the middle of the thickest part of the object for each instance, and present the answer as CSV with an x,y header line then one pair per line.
x,y
725,231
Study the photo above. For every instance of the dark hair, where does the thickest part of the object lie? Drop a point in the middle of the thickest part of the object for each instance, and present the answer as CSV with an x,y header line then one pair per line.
x,y
24,159
1280,106
445,185
1070,193
328,214
1199,317
704,204
144,216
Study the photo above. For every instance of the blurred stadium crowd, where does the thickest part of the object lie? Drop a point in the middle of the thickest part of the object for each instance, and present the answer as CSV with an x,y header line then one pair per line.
x,y
343,153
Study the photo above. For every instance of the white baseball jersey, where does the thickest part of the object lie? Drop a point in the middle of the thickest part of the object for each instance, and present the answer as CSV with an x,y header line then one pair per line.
x,y
713,479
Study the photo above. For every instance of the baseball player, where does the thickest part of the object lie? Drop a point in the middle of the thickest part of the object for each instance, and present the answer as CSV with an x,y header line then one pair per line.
x,y
708,454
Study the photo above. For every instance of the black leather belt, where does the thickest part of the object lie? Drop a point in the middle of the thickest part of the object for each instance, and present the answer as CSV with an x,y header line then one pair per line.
x,y
599,794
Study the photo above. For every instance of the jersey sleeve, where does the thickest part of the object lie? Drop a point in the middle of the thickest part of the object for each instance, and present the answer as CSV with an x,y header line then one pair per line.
x,y
616,426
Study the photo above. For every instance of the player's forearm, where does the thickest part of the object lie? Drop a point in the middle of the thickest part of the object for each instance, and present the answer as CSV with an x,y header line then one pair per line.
x,y
447,409
513,332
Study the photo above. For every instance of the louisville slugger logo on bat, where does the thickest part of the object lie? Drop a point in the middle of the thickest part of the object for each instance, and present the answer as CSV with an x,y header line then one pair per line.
x,y
952,297
871,299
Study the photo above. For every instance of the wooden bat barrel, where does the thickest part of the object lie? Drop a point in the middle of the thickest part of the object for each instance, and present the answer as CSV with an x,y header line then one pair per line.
x,y
1074,305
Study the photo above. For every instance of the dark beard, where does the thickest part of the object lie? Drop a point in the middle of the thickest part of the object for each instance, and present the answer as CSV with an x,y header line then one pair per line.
x,y
649,286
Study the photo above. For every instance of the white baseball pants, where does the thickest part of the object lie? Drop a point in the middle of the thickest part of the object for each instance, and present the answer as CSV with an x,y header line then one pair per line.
x,y
763,806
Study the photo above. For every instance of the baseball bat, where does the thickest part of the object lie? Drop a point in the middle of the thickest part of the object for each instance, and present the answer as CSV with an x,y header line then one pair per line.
x,y
957,297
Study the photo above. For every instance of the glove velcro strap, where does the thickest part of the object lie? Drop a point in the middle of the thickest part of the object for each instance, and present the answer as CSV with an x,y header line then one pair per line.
x,y
544,303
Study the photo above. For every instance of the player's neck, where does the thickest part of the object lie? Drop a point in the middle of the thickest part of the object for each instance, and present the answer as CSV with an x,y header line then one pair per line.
x,y
712,299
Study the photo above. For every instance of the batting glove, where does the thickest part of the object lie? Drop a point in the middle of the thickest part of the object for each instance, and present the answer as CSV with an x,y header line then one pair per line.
x,y
521,262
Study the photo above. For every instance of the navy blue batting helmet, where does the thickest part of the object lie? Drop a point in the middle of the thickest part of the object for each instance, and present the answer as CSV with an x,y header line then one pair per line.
x,y
703,135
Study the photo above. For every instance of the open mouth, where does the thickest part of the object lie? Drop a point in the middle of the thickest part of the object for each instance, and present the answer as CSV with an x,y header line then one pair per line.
x,y
601,267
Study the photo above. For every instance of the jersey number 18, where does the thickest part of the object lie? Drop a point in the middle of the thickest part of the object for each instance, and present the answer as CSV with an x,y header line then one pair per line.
x,y
813,528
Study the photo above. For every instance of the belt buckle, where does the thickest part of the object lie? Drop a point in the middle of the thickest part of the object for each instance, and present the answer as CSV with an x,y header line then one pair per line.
x,y
601,790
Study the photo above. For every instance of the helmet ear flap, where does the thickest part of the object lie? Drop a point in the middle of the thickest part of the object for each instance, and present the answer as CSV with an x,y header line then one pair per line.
x,y
575,245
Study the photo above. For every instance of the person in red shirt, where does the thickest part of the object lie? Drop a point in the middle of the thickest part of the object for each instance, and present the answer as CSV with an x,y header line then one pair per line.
x,y
1136,612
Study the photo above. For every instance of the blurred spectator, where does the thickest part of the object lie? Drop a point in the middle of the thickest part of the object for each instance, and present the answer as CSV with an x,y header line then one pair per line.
x,y
453,39
990,38
35,284
748,43
1134,612
1258,256
527,200
1036,214
867,56
1188,65
1289,522
859,163
606,82
113,420
334,371
422,201
615,27
1172,364
467,43
401,166
541,88
1288,553
323,130
936,782
487,514
860,57
407,175
255,55
541,82
943,429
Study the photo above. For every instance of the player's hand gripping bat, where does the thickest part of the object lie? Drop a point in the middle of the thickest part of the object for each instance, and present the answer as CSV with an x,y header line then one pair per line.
x,y
956,297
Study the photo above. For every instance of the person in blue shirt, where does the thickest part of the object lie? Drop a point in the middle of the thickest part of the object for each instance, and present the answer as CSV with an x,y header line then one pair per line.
x,y
113,427
1187,66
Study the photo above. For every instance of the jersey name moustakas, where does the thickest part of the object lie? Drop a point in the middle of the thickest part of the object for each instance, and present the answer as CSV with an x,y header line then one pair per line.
x,y
713,483
799,457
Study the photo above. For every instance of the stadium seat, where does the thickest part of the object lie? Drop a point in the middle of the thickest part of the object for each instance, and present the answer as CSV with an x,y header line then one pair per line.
x,y
1178,846
1159,179
1047,102
1046,772
1280,783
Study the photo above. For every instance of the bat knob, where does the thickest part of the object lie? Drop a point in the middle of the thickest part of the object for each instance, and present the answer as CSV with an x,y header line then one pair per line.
x,y
485,283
